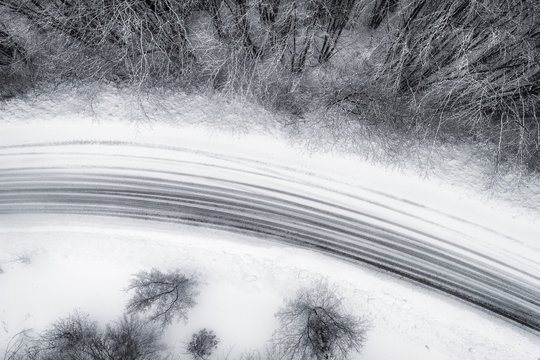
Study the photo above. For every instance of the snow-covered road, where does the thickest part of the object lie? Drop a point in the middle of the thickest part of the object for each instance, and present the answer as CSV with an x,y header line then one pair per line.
x,y
492,267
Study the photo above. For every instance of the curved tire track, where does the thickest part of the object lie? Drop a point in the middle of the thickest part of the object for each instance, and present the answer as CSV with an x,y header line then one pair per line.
x,y
243,195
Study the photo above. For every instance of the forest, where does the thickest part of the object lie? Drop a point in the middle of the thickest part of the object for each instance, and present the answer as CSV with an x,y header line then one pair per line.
x,y
463,71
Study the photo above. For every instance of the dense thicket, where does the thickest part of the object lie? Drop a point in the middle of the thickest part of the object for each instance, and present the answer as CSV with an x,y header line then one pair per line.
x,y
141,38
14,72
76,337
460,69
476,60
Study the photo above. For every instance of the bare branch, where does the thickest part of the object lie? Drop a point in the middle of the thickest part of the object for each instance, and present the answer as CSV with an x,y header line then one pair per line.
x,y
164,295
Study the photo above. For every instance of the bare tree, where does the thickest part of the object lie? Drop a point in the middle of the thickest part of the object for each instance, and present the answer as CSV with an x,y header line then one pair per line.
x,y
164,295
314,325
202,344
78,338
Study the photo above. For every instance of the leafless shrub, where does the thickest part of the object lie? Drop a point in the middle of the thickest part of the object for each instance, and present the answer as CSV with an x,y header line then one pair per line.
x,y
132,339
202,344
73,337
78,338
314,325
164,295
17,346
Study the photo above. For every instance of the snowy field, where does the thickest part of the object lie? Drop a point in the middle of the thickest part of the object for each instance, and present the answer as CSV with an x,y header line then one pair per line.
x,y
59,253
86,263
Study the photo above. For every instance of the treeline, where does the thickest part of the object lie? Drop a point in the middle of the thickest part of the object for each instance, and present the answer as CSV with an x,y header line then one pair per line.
x,y
456,69
477,61
136,39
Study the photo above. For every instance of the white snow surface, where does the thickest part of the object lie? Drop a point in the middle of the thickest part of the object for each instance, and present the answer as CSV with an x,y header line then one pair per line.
x,y
55,264
85,264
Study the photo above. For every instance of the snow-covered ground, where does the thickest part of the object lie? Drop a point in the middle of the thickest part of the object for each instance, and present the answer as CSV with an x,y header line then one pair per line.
x,y
85,263
54,264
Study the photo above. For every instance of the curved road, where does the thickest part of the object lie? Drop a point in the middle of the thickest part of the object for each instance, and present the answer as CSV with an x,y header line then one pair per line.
x,y
240,194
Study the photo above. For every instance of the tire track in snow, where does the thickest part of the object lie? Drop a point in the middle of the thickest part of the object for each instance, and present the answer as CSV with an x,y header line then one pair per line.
x,y
268,200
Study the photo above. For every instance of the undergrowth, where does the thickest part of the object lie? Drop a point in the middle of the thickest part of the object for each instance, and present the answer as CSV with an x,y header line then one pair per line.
x,y
401,70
